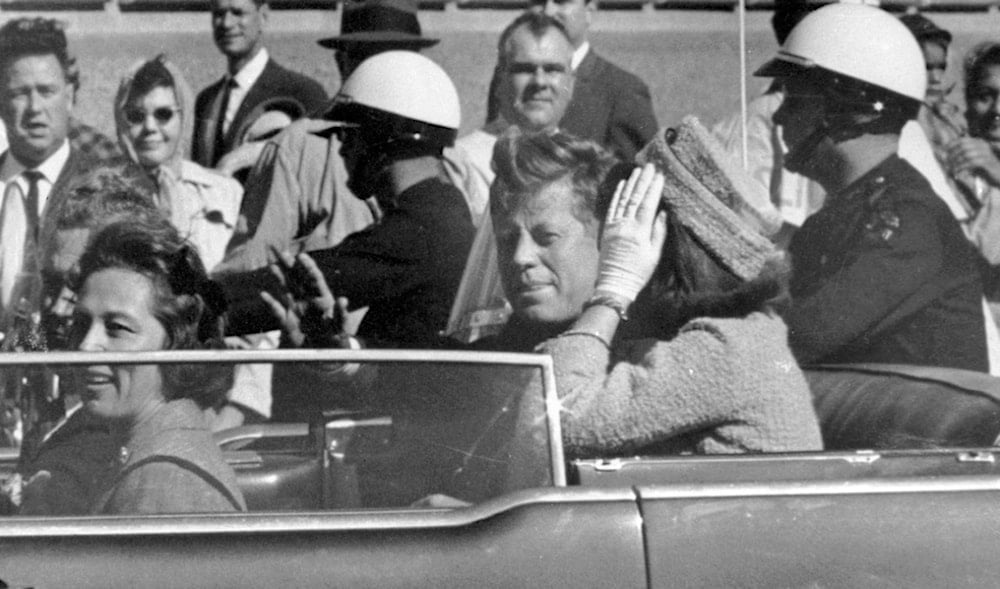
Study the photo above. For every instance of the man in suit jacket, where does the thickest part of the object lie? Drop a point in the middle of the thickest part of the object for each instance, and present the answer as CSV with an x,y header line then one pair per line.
x,y
610,105
223,109
38,80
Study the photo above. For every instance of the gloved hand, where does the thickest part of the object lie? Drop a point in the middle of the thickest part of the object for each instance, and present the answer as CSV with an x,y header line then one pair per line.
x,y
633,236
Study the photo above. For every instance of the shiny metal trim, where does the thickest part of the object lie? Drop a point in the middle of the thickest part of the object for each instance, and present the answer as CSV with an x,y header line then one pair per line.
x,y
328,521
881,486
540,361
255,356
256,432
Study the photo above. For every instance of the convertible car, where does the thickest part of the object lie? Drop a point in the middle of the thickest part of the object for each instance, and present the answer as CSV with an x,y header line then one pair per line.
x,y
447,470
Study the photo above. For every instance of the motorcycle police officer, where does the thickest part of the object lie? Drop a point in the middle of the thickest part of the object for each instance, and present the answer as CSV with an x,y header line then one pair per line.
x,y
396,112
883,272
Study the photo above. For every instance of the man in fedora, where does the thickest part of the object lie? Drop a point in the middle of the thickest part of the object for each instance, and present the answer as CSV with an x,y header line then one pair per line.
x,y
297,197
252,78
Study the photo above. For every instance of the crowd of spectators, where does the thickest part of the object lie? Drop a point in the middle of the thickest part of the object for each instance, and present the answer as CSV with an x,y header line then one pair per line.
x,y
678,294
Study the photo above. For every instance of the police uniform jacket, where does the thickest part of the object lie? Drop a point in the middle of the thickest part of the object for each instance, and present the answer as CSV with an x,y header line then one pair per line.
x,y
407,267
883,273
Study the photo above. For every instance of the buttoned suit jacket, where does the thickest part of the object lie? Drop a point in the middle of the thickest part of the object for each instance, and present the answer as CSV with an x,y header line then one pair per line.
x,y
274,82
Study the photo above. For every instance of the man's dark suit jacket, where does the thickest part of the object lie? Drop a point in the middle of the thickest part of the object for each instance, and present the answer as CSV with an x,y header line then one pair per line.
x,y
274,82
610,106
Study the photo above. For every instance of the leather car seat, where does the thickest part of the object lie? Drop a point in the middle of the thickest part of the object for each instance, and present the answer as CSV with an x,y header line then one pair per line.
x,y
871,406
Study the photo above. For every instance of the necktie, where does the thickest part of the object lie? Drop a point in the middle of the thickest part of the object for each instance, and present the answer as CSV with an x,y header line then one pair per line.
x,y
31,208
220,123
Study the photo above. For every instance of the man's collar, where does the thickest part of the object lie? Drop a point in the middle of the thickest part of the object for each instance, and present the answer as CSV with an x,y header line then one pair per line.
x,y
50,168
579,54
253,69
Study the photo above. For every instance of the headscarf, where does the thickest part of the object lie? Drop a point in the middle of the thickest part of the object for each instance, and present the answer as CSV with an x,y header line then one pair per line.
x,y
167,174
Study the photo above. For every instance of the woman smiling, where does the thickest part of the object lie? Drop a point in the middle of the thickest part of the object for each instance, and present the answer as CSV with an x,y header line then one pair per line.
x,y
154,116
142,288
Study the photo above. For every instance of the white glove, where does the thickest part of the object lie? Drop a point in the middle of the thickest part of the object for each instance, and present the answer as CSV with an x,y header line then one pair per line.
x,y
633,236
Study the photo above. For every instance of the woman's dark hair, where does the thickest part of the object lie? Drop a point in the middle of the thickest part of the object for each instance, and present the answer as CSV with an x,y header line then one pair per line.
x,y
152,74
977,60
689,283
188,305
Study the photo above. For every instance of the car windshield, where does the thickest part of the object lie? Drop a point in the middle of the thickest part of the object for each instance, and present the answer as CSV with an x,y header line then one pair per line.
x,y
362,429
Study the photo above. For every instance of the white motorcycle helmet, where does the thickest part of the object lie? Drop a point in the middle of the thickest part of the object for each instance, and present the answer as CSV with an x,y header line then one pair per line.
x,y
403,98
862,54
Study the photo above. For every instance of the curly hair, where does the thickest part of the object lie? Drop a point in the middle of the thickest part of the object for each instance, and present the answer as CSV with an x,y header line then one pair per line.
x,y
25,36
106,194
186,302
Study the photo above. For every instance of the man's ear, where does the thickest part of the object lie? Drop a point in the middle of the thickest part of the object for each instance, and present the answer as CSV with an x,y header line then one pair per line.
x,y
265,13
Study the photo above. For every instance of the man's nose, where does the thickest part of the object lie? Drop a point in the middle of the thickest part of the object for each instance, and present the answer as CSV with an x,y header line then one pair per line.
x,y
34,101
525,253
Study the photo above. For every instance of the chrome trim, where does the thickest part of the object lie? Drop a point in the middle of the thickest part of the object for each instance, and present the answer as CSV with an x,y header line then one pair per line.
x,y
883,486
553,418
257,356
332,521
8,454
540,361
256,432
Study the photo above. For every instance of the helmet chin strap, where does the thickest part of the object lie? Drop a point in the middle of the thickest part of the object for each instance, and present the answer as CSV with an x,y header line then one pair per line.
x,y
838,127
798,157
363,181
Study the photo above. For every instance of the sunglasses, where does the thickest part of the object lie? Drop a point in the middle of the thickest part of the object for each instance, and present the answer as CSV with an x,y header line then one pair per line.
x,y
161,115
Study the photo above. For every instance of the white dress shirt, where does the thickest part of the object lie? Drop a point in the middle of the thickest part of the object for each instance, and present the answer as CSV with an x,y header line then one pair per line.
x,y
578,54
245,78
13,222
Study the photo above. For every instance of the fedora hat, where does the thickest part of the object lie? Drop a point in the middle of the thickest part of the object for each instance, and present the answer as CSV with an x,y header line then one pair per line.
x,y
389,22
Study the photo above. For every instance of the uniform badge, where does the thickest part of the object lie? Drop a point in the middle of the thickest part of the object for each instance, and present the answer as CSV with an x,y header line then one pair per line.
x,y
883,220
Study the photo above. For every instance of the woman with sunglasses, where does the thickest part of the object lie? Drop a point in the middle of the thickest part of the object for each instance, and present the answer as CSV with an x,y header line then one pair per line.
x,y
154,114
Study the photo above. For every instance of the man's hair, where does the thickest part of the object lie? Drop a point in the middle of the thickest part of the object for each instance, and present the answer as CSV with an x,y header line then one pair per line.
x,y
107,194
977,60
527,162
37,36
152,74
537,23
